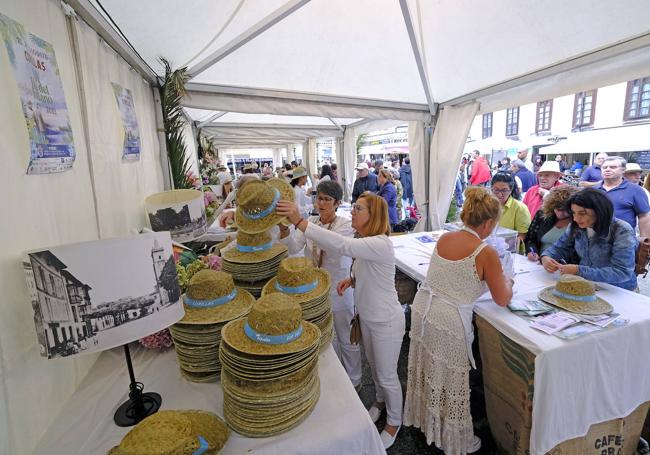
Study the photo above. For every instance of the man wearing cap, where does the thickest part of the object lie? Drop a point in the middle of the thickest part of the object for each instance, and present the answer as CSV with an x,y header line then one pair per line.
x,y
548,177
633,174
366,181
592,176
629,200
523,156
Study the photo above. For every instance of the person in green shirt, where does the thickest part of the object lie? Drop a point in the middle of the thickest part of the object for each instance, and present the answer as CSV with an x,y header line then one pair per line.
x,y
515,214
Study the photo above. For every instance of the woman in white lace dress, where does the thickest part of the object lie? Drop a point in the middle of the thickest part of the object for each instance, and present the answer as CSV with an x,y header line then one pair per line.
x,y
440,357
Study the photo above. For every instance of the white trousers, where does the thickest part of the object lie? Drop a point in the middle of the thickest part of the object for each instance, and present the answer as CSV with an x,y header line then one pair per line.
x,y
382,342
349,354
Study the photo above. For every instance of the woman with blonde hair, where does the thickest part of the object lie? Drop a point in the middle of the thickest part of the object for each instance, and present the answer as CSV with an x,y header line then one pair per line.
x,y
372,275
462,266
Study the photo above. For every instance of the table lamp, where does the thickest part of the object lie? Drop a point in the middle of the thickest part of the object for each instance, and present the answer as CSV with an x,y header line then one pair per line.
x,y
92,296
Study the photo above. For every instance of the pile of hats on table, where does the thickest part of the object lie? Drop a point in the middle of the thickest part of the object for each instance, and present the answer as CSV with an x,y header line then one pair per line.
x,y
254,258
211,301
269,368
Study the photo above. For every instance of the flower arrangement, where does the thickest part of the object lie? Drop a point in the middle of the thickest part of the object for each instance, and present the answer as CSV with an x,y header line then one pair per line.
x,y
210,174
193,179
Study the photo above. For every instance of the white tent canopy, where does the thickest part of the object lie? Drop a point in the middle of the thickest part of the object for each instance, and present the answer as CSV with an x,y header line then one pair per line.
x,y
608,140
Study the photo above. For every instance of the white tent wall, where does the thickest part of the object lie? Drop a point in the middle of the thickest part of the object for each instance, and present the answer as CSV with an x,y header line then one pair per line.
x,y
416,132
349,162
311,157
55,209
190,149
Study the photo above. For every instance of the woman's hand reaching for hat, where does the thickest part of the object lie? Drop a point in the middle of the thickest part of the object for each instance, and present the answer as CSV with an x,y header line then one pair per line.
x,y
226,218
290,210
343,285
568,269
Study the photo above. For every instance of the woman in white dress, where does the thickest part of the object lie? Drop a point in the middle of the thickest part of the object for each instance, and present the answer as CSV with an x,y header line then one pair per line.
x,y
328,198
440,356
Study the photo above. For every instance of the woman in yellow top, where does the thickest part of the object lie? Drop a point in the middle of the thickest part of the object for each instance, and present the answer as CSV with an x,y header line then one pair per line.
x,y
515,214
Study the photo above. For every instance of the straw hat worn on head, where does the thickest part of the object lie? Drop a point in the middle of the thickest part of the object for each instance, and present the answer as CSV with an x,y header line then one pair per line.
x,y
300,280
212,297
299,172
175,433
251,248
576,295
362,167
256,202
632,167
274,326
550,166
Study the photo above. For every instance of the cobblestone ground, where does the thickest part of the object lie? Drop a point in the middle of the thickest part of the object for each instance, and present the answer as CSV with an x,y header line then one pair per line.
x,y
411,441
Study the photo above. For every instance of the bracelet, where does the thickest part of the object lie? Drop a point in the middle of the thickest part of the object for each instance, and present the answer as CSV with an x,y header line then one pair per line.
x,y
297,225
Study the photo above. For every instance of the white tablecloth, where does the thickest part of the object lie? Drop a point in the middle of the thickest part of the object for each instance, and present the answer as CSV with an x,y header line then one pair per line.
x,y
595,378
339,423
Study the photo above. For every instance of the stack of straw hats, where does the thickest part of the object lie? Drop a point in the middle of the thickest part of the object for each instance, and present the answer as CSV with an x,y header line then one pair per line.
x,y
211,301
175,433
252,260
308,286
269,368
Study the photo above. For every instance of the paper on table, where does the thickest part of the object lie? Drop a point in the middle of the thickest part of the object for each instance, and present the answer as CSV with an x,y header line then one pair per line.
x,y
554,322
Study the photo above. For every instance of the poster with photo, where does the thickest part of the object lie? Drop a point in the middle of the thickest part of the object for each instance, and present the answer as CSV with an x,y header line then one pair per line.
x,y
131,147
92,296
42,99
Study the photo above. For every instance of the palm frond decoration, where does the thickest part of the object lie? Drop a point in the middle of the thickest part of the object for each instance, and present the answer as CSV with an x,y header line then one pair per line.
x,y
172,91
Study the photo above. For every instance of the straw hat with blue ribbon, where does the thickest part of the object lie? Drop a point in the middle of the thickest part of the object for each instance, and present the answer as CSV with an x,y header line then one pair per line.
x,y
256,203
253,248
175,433
576,295
300,280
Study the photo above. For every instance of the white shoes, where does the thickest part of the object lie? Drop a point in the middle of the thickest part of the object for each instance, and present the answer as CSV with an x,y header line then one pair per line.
x,y
389,440
476,445
375,411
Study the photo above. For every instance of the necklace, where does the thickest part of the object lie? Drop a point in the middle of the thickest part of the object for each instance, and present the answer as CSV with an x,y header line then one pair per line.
x,y
471,231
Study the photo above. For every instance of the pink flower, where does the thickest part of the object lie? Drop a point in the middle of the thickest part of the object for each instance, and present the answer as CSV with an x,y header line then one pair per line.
x,y
209,197
213,261
160,340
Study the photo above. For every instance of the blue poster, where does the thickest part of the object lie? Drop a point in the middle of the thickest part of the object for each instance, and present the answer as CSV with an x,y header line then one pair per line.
x,y
131,148
42,99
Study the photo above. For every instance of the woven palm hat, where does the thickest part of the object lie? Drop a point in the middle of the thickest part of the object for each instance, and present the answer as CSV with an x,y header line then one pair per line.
x,y
175,433
299,172
576,295
256,202
212,297
300,280
273,326
252,248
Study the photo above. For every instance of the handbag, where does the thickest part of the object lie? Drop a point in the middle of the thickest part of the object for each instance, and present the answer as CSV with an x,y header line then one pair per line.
x,y
355,329
642,256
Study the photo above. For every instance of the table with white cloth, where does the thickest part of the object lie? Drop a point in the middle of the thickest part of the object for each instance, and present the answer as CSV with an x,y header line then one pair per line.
x,y
338,424
598,377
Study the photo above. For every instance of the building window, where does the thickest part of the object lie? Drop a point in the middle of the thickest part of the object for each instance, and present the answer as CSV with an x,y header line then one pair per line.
x,y
512,121
544,113
637,99
487,125
584,109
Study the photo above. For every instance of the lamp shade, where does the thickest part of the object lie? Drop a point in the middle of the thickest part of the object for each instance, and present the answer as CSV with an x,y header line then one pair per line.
x,y
181,212
92,296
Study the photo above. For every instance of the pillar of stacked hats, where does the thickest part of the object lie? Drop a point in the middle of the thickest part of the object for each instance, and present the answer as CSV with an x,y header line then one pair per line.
x,y
308,286
211,301
269,368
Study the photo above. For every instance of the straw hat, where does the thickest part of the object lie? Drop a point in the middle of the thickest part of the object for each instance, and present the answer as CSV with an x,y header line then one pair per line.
x,y
576,295
632,167
274,326
550,166
256,202
300,280
212,297
299,172
251,248
175,433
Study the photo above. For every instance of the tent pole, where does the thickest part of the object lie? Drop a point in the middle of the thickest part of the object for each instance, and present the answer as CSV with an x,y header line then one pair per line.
x,y
212,118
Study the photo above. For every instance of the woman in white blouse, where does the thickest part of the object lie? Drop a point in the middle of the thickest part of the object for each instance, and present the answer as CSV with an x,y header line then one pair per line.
x,y
373,280
298,182
329,195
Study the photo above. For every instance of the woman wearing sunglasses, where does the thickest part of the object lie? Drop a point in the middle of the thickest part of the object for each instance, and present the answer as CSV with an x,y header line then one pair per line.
x,y
515,214
375,297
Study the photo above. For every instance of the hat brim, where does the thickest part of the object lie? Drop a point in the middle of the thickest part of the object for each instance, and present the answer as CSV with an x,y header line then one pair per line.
x,y
260,225
234,255
236,308
600,306
324,285
233,334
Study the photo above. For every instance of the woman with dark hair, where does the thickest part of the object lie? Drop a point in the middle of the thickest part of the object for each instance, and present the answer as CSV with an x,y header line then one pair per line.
x,y
515,214
605,245
335,175
550,222
325,174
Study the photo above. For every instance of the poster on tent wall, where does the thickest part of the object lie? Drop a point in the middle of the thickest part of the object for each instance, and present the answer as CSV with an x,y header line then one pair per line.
x,y
42,99
131,147
91,296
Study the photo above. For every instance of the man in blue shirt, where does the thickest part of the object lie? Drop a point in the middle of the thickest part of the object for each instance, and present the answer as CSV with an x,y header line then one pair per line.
x,y
630,201
592,176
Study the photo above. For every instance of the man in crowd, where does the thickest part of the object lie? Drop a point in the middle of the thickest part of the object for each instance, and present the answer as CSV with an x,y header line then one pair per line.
x,y
366,181
379,164
593,175
561,162
629,200
523,156
406,177
481,174
520,171
548,176
633,174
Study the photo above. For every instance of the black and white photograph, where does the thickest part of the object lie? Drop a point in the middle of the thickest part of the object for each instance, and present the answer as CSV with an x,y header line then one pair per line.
x,y
181,212
92,296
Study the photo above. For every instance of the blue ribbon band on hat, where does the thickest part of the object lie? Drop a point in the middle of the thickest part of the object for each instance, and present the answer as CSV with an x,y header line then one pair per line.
x,y
254,248
575,298
296,289
189,301
271,339
267,211
203,446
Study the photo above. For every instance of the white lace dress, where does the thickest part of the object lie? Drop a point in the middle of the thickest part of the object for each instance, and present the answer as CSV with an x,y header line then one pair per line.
x,y
437,394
